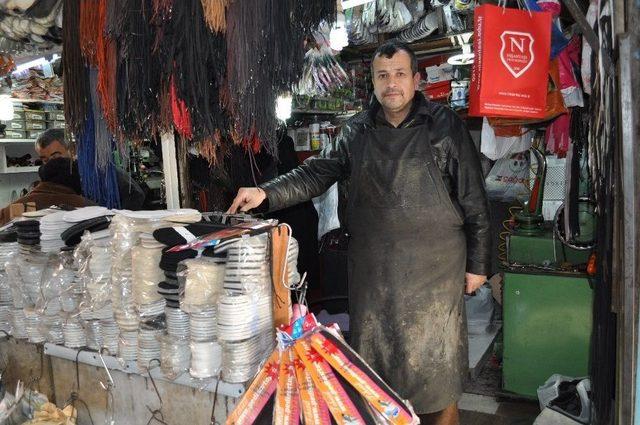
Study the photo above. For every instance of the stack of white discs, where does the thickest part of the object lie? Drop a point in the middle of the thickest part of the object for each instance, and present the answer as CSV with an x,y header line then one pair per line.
x,y
242,359
124,238
74,334
6,296
51,227
110,334
206,359
93,334
247,268
243,316
5,318
177,323
18,323
7,250
14,279
33,325
175,356
52,329
31,270
100,268
203,325
203,283
128,345
148,345
146,276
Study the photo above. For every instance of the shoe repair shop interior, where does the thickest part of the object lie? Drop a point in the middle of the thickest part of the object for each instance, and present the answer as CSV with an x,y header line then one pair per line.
x,y
133,317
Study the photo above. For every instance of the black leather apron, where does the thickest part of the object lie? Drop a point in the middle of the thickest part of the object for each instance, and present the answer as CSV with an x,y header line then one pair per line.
x,y
407,255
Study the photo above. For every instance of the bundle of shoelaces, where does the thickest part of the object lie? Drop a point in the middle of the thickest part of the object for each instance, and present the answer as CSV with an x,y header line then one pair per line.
x,y
133,70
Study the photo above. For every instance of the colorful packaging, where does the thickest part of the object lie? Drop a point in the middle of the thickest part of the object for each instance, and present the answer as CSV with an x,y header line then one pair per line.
x,y
258,393
340,405
314,409
287,410
347,363
511,67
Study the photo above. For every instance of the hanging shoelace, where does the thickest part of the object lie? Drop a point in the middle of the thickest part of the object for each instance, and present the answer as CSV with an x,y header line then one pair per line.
x,y
139,76
89,16
76,82
215,14
106,62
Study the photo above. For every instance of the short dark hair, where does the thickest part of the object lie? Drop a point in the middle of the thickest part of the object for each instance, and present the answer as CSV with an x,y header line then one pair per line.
x,y
62,171
391,47
50,136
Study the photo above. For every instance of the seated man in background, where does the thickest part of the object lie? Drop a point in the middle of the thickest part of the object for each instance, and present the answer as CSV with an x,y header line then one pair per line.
x,y
52,144
59,185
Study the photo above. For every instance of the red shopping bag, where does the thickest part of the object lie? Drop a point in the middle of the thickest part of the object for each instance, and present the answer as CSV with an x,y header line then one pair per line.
x,y
511,66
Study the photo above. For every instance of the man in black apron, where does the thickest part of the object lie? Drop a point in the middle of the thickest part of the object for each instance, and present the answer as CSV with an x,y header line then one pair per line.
x,y
417,216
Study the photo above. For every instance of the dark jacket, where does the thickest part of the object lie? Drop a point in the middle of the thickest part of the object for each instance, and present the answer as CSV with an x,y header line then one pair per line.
x,y
131,194
455,154
46,194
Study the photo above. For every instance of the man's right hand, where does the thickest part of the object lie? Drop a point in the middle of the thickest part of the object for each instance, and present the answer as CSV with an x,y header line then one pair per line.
x,y
247,199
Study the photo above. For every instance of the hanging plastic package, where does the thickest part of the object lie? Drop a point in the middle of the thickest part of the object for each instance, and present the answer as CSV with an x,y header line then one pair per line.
x,y
557,136
568,60
496,147
558,41
508,179
510,72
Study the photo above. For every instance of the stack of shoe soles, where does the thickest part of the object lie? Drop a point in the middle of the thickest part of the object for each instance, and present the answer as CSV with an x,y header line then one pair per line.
x,y
28,232
172,236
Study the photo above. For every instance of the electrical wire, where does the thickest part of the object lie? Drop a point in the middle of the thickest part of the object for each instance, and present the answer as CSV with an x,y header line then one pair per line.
x,y
507,226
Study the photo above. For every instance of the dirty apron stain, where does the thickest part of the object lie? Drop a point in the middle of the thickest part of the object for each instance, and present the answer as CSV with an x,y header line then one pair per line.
x,y
407,255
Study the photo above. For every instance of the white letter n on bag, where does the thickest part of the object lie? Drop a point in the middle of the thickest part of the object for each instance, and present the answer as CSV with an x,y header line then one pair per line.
x,y
516,52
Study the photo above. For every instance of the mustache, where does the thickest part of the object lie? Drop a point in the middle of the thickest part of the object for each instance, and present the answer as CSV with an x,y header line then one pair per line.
x,y
388,92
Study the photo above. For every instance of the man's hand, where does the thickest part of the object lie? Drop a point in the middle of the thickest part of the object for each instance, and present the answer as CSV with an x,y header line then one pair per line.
x,y
247,199
474,281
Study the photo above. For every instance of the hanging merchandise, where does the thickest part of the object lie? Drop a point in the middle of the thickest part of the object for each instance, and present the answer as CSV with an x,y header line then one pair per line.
x,y
256,76
314,372
558,39
99,181
510,72
215,14
107,63
139,70
508,179
557,135
322,73
496,147
568,61
32,21
554,106
425,27
76,78
194,67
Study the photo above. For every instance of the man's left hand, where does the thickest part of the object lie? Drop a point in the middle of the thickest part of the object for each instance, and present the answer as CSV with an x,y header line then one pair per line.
x,y
474,281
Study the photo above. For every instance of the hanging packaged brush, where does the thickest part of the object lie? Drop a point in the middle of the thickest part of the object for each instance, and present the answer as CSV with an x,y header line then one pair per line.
x,y
315,372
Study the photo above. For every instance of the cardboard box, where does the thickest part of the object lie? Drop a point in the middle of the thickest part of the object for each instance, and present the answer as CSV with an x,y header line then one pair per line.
x,y
35,125
56,124
34,134
55,116
14,134
34,115
14,125
439,73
